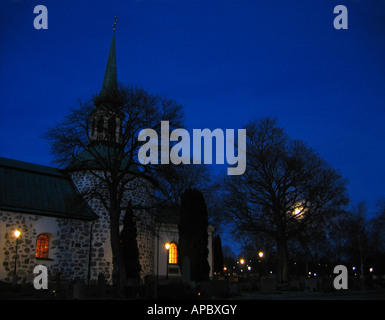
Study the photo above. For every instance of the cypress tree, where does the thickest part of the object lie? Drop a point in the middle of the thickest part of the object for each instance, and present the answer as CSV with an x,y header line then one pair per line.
x,y
218,254
129,245
193,236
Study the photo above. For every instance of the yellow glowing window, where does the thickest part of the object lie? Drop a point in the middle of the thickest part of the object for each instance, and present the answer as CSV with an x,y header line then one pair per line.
x,y
42,246
173,254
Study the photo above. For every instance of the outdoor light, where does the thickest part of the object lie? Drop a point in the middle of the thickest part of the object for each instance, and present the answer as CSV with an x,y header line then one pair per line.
x,y
167,246
371,269
242,261
17,234
260,254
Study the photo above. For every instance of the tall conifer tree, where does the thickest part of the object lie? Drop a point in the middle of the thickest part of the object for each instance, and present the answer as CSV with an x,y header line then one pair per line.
x,y
193,237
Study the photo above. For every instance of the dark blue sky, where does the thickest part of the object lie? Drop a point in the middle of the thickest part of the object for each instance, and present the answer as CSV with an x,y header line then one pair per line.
x,y
227,61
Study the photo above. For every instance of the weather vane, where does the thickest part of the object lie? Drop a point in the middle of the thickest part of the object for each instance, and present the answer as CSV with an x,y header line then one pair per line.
x,y
115,22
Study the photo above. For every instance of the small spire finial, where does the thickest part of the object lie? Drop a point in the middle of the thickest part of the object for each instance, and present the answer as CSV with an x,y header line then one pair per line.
x,y
115,22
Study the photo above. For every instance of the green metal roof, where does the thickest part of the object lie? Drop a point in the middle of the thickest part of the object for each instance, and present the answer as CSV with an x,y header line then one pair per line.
x,y
41,190
110,77
85,159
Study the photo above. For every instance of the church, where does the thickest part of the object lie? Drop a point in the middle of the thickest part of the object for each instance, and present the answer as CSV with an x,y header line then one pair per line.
x,y
46,220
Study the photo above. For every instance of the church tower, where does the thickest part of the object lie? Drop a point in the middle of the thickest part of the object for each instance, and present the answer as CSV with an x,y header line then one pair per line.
x,y
106,120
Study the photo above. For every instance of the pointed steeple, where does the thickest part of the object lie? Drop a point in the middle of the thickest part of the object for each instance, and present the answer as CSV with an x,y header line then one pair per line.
x,y
105,120
110,77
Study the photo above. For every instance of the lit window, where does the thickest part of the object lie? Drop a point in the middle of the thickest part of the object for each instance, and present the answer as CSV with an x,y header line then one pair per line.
x,y
173,254
42,246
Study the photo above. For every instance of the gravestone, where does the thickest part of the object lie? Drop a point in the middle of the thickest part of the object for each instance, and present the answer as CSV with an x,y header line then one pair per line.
x,y
186,269
302,282
269,284
311,284
234,288
214,288
79,289
101,285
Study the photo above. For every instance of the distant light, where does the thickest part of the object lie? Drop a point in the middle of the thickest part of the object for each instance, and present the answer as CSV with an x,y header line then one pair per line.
x,y
17,234
354,268
167,246
249,268
260,254
371,269
315,274
309,273
224,268
242,261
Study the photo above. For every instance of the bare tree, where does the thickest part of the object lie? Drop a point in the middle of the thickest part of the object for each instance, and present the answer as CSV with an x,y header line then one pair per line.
x,y
286,186
101,136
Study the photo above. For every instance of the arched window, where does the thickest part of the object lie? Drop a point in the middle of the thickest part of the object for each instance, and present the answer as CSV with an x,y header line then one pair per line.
x,y
173,254
100,125
112,128
42,246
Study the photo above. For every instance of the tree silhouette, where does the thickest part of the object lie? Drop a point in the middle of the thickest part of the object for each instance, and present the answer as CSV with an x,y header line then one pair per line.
x,y
287,185
85,141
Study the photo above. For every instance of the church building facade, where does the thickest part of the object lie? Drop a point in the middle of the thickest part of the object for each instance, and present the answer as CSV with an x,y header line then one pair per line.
x,y
46,220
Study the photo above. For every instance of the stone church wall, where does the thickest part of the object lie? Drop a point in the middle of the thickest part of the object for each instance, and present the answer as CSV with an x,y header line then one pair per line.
x,y
70,240
68,246
140,194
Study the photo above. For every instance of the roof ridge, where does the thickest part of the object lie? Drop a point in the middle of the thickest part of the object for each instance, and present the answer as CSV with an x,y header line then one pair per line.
x,y
31,167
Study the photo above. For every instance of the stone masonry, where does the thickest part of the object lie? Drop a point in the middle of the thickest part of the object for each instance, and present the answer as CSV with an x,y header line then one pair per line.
x,y
101,257
68,251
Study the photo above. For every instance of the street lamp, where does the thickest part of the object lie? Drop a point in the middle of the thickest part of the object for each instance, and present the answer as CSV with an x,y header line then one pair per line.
x,y
17,234
167,246
260,254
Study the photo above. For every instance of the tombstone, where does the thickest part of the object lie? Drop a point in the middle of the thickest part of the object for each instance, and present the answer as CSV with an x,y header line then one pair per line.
x,y
15,278
186,269
24,285
269,284
57,287
302,282
294,284
150,290
79,289
235,288
101,285
215,288
311,284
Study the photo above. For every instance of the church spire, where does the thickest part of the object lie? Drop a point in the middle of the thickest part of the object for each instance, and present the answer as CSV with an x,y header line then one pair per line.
x,y
110,77
105,120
